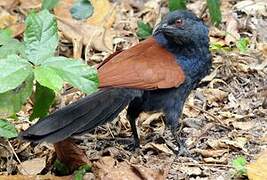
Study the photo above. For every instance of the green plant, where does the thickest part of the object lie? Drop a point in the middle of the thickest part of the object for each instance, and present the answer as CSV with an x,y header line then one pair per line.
x,y
30,63
242,44
144,30
239,164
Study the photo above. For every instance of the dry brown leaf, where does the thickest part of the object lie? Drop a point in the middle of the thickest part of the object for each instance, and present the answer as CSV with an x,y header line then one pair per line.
x,y
7,4
96,37
232,34
252,7
32,167
159,147
243,125
17,29
30,4
195,171
210,152
258,169
222,160
214,95
40,177
104,14
108,168
6,19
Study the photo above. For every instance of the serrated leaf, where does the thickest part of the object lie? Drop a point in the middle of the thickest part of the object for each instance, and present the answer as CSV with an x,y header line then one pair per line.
x,y
215,12
48,77
82,9
13,71
13,46
49,4
144,30
7,130
79,173
75,72
5,36
11,101
44,98
177,5
41,36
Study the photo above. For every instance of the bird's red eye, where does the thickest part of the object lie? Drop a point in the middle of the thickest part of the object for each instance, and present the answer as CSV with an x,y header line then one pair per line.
x,y
179,22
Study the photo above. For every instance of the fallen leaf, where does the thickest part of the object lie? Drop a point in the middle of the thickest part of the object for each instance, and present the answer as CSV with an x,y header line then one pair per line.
x,y
159,147
232,34
109,168
104,14
251,7
6,19
30,4
258,170
32,167
243,125
191,171
40,177
210,152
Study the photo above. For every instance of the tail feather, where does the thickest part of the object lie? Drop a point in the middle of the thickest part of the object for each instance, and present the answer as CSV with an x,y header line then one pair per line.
x,y
81,116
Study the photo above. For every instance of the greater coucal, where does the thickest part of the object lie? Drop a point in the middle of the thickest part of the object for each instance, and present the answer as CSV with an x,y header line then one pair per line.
x,y
155,75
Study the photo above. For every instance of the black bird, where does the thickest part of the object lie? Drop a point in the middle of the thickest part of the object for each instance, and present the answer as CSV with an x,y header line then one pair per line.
x,y
155,75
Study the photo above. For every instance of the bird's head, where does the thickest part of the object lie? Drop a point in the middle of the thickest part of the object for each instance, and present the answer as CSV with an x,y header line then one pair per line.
x,y
183,28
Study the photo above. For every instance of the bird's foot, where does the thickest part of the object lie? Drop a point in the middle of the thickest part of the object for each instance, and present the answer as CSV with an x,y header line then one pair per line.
x,y
183,151
131,144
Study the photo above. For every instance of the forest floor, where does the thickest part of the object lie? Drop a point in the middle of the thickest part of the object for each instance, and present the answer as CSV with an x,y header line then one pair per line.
x,y
223,119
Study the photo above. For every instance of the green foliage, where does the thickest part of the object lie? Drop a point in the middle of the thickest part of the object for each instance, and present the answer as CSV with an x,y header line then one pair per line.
x,y
41,36
75,72
219,47
177,5
21,65
5,36
239,164
78,174
242,44
144,30
82,9
60,168
44,98
14,70
215,12
11,101
49,4
7,130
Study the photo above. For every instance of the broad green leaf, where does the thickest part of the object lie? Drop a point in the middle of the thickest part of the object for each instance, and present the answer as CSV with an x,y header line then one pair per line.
x,y
48,77
7,130
240,165
43,99
60,168
79,173
5,36
144,30
49,4
13,46
177,5
41,37
215,12
11,101
242,44
75,72
82,9
13,71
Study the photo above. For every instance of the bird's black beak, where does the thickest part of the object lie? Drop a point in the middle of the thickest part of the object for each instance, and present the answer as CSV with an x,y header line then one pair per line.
x,y
163,28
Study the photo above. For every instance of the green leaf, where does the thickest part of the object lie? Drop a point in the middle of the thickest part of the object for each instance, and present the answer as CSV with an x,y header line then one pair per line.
x,y
13,46
242,44
41,37
177,5
144,30
239,164
49,4
82,9
7,130
75,72
60,168
48,77
5,36
11,101
44,98
13,71
215,12
78,174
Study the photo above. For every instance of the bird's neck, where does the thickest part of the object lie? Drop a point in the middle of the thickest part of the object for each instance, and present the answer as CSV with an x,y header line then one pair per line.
x,y
194,58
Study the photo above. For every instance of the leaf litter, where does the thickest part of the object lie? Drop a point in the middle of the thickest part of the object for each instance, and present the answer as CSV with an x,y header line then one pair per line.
x,y
224,118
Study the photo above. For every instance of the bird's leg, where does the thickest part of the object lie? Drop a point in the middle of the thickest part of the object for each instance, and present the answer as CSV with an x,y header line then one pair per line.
x,y
183,151
133,111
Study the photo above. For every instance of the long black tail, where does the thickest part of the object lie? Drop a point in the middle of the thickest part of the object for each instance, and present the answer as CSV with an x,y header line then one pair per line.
x,y
81,116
